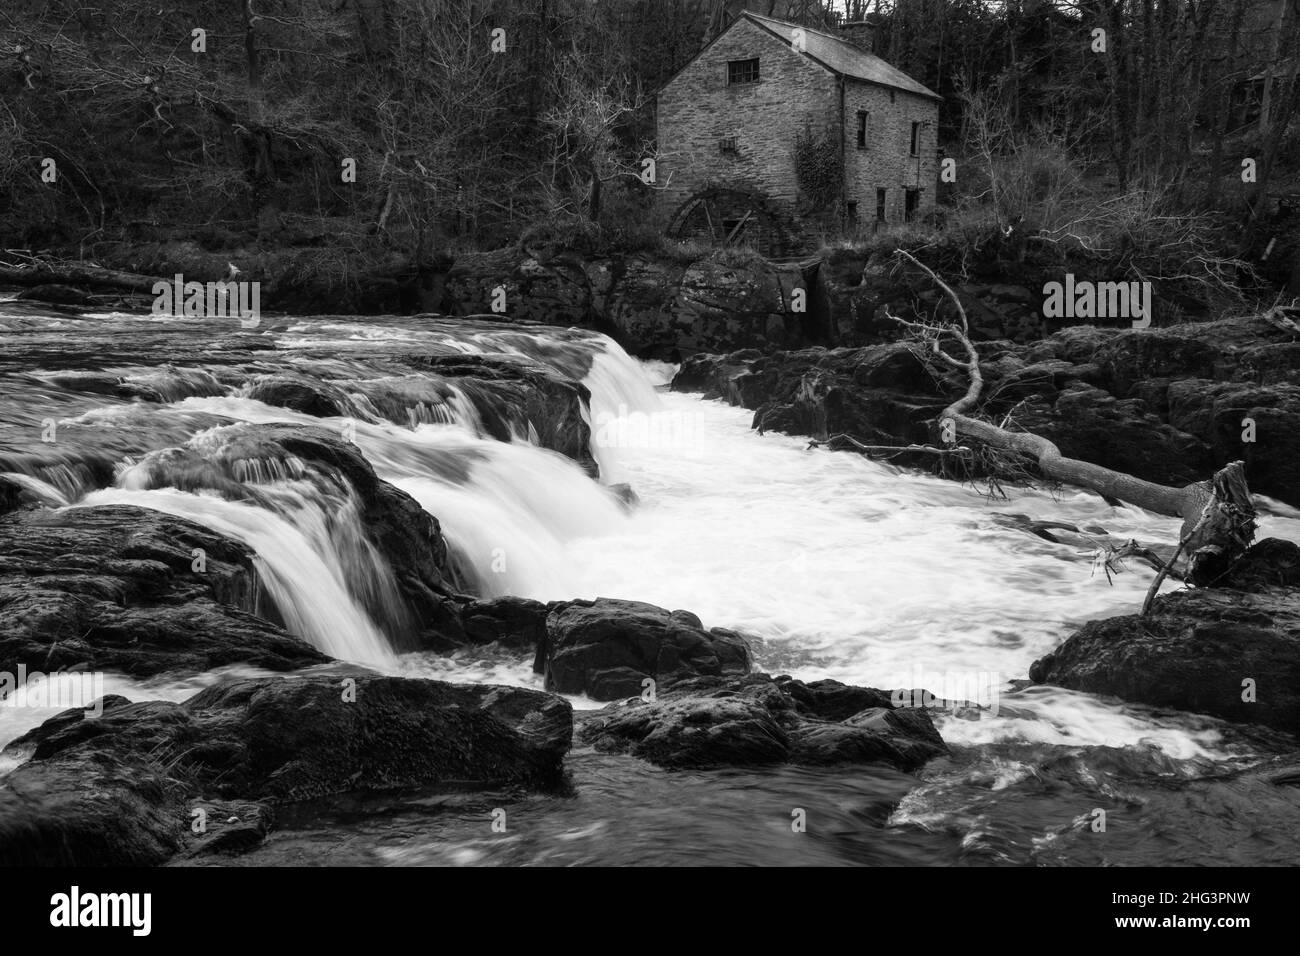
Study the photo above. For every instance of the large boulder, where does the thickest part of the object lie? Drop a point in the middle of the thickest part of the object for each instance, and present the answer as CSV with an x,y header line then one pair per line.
x,y
1224,652
136,591
608,648
122,788
639,305
725,305
1258,424
301,394
746,721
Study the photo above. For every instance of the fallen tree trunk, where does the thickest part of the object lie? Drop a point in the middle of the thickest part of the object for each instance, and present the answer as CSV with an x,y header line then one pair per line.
x,y
1218,516
76,273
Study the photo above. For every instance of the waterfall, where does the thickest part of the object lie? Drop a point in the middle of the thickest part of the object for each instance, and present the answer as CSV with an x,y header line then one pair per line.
x,y
304,575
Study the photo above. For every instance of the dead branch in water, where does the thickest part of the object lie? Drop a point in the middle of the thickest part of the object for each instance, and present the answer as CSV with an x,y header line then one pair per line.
x,y
1217,515
886,450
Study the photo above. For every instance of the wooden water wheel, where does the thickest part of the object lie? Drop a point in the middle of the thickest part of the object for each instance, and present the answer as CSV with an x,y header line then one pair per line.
x,y
730,217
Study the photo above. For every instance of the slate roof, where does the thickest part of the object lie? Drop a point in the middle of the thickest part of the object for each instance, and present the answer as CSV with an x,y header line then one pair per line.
x,y
842,57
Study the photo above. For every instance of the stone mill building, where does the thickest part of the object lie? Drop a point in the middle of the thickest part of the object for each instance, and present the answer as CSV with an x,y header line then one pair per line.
x,y
776,135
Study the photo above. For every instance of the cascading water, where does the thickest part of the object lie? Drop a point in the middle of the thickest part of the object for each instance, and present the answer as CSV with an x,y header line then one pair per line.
x,y
305,576
834,565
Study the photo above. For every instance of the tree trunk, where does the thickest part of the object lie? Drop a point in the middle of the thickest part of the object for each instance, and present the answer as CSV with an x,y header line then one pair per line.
x,y
75,273
1217,515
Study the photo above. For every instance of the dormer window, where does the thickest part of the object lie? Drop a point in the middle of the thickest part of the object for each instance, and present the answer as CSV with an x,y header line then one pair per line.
x,y
727,144
742,71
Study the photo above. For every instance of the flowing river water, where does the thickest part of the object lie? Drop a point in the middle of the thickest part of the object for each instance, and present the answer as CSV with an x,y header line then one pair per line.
x,y
833,565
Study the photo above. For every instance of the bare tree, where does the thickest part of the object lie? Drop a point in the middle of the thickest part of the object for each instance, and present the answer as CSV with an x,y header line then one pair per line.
x,y
1217,515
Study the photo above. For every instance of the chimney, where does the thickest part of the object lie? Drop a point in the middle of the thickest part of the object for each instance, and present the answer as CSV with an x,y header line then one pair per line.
x,y
861,33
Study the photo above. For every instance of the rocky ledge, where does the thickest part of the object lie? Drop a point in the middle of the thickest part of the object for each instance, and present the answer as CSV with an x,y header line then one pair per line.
x,y
145,781
133,591
1166,405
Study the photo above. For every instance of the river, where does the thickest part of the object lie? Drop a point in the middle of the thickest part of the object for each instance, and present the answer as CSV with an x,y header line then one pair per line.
x,y
833,565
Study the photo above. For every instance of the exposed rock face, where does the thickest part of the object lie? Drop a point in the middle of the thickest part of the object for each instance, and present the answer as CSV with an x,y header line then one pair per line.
x,y
1141,402
655,306
120,789
114,588
508,397
713,722
863,288
511,622
301,394
513,397
607,648
1194,652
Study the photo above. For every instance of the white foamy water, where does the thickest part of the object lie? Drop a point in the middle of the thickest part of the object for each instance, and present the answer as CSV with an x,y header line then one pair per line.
x,y
303,574
835,565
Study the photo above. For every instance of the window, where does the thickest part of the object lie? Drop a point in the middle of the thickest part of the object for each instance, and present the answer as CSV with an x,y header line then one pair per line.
x,y
727,144
852,211
742,71
916,136
862,129
880,205
912,201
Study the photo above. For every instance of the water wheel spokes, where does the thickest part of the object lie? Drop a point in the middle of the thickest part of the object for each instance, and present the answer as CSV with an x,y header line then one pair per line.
x,y
739,226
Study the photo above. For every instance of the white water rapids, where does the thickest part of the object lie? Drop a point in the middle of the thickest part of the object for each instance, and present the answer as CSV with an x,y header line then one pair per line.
x,y
835,565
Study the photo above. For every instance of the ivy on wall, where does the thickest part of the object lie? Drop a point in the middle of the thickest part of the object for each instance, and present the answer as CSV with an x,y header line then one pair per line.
x,y
819,167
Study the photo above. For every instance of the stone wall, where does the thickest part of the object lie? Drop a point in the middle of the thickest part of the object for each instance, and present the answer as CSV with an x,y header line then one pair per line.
x,y
886,162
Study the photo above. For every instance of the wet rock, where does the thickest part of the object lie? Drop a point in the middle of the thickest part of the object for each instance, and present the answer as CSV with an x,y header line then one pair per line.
x,y
120,788
512,397
1194,652
115,588
302,394
227,826
403,533
607,648
1270,563
899,737
830,699
12,495
714,722
626,495
509,621
880,395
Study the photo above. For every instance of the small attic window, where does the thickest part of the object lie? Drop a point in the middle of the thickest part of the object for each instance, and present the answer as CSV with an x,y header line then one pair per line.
x,y
742,71
727,144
